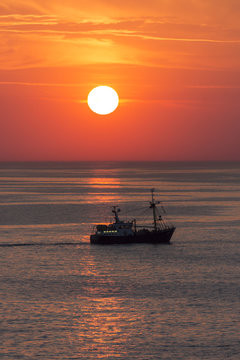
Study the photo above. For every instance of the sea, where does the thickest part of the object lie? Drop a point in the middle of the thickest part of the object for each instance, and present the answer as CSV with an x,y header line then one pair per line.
x,y
63,298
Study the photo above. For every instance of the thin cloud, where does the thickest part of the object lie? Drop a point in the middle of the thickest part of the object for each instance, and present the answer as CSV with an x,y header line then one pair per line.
x,y
213,87
51,37
136,28
22,83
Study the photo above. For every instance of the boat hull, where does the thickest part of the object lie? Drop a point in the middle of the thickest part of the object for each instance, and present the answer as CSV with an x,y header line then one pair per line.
x,y
153,237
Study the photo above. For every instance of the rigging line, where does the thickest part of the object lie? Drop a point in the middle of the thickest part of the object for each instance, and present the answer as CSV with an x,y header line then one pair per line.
x,y
136,211
146,218
144,212
163,209
139,207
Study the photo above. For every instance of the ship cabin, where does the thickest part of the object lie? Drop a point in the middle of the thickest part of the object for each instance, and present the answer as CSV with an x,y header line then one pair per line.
x,y
116,229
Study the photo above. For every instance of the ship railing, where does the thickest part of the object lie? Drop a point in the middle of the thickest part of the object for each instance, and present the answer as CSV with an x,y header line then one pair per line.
x,y
163,227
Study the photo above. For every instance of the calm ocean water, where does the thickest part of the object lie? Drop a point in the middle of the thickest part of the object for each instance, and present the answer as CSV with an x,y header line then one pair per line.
x,y
62,298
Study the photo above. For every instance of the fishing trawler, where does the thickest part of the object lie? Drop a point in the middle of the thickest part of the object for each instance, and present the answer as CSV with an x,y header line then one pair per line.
x,y
122,232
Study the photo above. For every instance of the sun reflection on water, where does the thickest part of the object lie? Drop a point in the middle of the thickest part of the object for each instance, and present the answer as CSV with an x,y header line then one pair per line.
x,y
98,182
103,326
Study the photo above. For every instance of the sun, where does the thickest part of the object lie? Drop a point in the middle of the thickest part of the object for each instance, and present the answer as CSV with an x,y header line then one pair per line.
x,y
103,100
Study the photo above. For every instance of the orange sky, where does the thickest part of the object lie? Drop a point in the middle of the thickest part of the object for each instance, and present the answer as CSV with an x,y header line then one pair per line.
x,y
174,63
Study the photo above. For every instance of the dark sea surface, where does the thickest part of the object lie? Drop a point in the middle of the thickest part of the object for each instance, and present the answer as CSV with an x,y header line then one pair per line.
x,y
62,298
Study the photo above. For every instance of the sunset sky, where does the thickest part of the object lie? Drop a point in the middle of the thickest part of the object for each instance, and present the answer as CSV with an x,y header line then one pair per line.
x,y
175,65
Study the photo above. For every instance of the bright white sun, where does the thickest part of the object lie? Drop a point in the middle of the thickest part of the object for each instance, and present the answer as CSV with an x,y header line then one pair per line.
x,y
103,100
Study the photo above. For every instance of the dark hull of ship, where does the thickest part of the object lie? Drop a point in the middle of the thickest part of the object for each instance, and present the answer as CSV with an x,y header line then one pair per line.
x,y
151,237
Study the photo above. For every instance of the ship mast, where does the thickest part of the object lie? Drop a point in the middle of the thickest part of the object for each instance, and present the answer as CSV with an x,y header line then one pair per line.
x,y
153,204
116,210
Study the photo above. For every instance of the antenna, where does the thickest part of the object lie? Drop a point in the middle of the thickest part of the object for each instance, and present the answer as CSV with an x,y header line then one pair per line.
x,y
116,210
152,191
153,204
